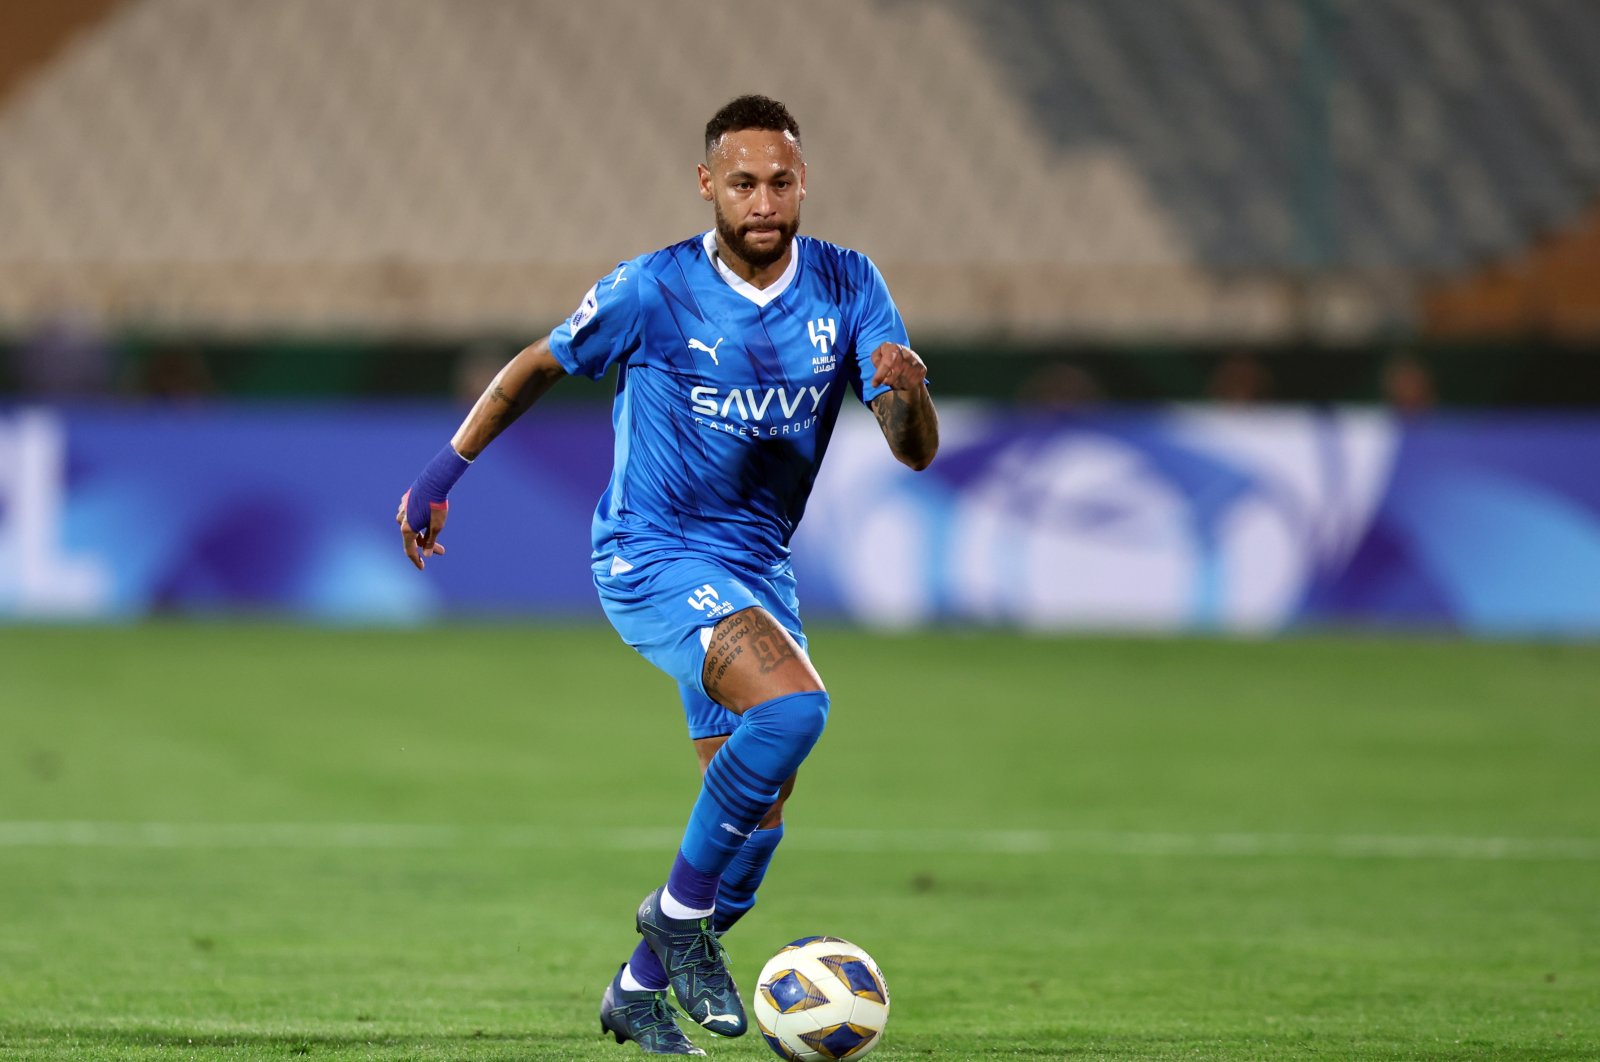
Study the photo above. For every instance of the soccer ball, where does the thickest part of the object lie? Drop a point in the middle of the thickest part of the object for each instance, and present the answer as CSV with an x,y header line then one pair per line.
x,y
821,998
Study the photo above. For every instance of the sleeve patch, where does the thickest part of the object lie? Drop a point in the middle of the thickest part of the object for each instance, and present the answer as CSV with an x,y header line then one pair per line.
x,y
586,311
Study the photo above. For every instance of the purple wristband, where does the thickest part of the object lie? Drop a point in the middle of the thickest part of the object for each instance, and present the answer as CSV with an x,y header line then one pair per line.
x,y
433,485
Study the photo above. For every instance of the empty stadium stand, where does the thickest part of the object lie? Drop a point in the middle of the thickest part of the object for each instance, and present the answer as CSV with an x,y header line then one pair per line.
x,y
1458,129
1020,168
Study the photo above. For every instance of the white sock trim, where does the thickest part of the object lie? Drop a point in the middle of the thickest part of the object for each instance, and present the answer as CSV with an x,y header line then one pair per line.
x,y
629,982
673,909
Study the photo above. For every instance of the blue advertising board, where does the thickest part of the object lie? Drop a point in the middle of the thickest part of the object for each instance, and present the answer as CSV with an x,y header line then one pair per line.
x,y
1166,520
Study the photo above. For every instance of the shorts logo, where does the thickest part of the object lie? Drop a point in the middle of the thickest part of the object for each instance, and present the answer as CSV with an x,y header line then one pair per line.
x,y
824,333
707,600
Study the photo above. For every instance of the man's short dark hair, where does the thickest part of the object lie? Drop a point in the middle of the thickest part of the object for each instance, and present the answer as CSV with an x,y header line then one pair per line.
x,y
750,112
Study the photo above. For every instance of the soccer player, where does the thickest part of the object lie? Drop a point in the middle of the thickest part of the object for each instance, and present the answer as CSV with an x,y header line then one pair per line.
x,y
733,351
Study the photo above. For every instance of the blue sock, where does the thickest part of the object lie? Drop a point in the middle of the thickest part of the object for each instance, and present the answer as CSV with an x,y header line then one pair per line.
x,y
736,893
646,968
691,886
742,782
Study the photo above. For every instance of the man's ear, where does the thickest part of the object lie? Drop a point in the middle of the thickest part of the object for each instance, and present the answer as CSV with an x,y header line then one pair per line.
x,y
705,182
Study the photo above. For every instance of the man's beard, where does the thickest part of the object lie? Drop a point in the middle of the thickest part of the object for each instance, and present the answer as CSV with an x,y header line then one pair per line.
x,y
757,257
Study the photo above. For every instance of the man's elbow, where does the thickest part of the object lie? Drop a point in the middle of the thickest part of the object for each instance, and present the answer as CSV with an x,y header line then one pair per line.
x,y
917,460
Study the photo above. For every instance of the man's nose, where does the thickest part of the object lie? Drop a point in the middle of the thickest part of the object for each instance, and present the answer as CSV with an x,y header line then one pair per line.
x,y
763,203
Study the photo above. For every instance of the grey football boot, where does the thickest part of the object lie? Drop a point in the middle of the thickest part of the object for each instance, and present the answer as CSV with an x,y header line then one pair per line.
x,y
644,1018
697,966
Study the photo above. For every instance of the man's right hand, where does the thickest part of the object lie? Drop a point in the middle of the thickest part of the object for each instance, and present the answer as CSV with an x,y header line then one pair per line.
x,y
424,543
424,507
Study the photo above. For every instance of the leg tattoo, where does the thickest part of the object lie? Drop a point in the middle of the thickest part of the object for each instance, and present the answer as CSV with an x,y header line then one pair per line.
x,y
753,630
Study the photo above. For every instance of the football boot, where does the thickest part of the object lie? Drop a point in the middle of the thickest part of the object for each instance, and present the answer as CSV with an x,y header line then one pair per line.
x,y
644,1018
696,964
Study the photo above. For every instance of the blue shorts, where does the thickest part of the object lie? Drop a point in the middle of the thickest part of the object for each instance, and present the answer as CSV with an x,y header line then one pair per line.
x,y
665,605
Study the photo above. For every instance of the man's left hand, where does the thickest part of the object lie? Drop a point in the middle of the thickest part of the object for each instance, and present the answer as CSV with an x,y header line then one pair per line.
x,y
899,367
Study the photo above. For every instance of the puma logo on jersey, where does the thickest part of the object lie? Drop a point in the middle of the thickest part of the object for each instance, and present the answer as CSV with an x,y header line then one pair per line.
x,y
695,344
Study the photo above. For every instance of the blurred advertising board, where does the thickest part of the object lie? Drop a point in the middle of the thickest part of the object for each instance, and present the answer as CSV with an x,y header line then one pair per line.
x,y
1182,519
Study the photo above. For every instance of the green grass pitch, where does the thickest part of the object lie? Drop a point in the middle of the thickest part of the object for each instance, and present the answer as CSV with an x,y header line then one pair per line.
x,y
254,841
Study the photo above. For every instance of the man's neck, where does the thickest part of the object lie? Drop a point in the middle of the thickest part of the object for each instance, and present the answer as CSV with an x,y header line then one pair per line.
x,y
758,278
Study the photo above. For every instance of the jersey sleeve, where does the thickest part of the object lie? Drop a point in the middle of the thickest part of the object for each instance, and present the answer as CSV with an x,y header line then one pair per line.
x,y
604,329
878,322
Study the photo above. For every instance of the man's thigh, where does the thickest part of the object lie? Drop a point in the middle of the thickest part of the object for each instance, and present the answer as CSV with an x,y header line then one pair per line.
x,y
750,658
668,609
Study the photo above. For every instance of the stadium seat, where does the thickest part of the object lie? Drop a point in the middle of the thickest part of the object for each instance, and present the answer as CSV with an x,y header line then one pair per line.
x,y
411,165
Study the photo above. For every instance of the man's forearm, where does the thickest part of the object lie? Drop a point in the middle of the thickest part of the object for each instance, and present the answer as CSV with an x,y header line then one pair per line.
x,y
910,425
515,388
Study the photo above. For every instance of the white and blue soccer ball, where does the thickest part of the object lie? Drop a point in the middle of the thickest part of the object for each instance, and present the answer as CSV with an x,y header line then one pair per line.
x,y
821,998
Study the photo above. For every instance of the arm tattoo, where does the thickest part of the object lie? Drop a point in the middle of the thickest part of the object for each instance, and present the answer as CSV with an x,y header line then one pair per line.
x,y
894,415
511,393
909,425
501,408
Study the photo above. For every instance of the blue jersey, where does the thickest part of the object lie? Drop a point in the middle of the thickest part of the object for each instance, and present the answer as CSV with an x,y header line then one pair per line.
x,y
726,394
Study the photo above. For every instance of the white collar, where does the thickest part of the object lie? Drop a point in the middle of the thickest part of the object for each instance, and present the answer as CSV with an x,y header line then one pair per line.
x,y
759,296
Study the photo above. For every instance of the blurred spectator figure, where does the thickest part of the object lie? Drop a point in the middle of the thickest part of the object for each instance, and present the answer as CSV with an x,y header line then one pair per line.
x,y
175,373
1407,385
1061,385
475,369
67,357
1240,379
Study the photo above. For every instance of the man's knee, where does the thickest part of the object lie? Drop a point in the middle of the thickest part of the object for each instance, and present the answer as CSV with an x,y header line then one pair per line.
x,y
799,716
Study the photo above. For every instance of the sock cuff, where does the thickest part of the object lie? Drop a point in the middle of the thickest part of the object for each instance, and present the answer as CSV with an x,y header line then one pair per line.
x,y
643,970
803,695
789,713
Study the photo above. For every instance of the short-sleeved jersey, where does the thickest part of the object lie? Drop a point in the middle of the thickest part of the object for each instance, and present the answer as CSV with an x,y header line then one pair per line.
x,y
726,394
